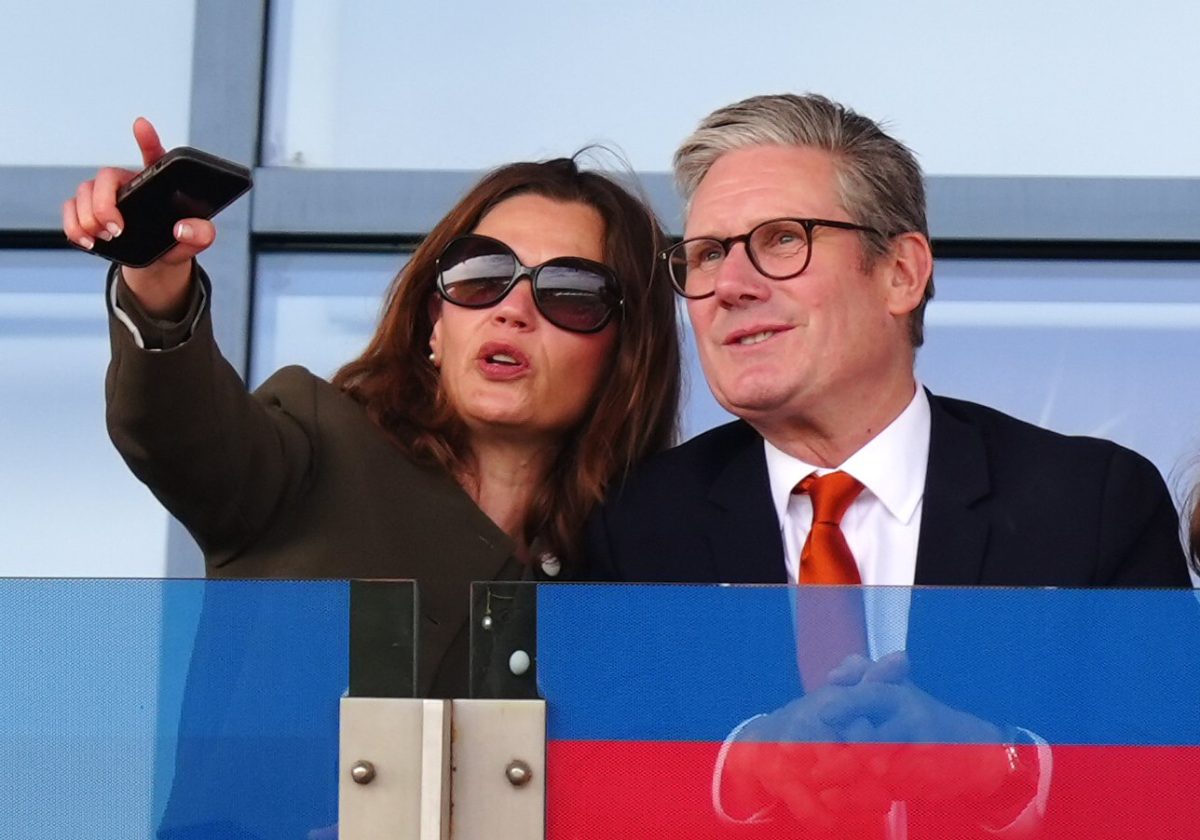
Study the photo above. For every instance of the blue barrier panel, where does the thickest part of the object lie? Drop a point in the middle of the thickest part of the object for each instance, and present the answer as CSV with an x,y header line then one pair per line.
x,y
174,709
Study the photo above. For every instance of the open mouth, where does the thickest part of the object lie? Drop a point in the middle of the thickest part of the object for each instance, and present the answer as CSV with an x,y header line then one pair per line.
x,y
756,338
501,358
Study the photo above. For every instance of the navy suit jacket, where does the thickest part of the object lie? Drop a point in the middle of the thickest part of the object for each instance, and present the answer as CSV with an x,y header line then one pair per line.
x,y
1006,504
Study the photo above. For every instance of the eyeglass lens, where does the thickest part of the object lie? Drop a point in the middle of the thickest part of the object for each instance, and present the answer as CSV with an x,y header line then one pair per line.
x,y
777,248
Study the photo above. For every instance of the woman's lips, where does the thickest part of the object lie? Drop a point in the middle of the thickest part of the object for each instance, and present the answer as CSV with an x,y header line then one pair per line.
x,y
501,361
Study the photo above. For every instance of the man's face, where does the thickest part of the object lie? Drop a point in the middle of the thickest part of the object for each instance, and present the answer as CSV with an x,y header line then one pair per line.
x,y
788,351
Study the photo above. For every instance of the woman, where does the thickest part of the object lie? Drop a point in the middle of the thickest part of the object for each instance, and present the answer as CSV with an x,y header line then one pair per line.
x,y
525,358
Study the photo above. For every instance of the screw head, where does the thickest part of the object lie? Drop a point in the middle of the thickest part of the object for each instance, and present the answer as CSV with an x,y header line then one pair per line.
x,y
362,772
518,773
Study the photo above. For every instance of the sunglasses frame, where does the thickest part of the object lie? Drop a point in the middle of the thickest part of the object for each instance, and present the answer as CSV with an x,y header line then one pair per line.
x,y
532,272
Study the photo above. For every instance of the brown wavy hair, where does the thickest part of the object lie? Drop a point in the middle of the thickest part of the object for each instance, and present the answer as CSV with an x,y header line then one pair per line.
x,y
633,414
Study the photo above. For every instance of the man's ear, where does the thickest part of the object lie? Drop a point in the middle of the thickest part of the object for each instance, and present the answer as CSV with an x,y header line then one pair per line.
x,y
910,265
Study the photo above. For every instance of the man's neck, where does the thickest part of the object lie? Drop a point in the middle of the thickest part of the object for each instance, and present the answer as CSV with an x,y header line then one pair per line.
x,y
829,438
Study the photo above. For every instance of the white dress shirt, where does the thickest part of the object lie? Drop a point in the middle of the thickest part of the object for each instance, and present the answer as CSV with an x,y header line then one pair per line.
x,y
882,524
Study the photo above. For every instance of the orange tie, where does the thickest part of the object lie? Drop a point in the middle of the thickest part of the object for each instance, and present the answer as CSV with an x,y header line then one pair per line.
x,y
825,557
830,623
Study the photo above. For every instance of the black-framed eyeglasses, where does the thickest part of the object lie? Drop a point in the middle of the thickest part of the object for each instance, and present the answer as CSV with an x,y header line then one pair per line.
x,y
779,248
572,293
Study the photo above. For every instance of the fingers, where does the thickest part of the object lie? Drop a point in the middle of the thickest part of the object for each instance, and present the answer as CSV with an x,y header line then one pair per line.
x,y
108,220
800,720
195,233
875,702
892,668
70,221
92,212
147,139
850,671
193,236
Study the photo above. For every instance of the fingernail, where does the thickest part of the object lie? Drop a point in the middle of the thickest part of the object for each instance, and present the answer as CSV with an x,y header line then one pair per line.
x,y
113,229
105,235
183,232
87,242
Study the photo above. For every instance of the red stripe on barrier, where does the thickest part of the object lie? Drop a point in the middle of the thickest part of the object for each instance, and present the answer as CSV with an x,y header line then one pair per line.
x,y
663,790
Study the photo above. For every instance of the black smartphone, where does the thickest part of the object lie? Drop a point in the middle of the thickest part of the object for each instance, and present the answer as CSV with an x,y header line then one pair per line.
x,y
184,183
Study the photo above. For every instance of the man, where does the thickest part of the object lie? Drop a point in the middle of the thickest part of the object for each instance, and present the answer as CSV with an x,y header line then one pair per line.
x,y
810,339
807,268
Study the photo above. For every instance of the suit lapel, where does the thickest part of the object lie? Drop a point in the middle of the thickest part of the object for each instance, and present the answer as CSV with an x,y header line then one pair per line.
x,y
743,530
954,533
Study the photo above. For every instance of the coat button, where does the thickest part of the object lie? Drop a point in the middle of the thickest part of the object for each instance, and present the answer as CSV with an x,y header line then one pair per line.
x,y
518,663
551,565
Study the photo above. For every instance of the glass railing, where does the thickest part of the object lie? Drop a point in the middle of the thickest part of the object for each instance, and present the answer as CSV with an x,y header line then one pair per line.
x,y
184,708
705,711
192,709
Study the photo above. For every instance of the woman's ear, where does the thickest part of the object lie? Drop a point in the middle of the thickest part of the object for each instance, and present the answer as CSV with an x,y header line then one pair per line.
x,y
435,337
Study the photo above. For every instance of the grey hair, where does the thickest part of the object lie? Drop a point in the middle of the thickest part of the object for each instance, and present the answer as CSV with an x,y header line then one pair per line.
x,y
879,180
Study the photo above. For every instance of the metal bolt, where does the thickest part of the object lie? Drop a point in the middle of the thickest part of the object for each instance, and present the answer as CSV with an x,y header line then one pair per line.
x,y
362,772
518,773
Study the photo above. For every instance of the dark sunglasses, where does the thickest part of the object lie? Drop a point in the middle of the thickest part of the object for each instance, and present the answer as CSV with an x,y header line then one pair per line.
x,y
572,293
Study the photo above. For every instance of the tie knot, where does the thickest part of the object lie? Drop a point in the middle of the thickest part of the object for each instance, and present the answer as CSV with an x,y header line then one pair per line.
x,y
831,495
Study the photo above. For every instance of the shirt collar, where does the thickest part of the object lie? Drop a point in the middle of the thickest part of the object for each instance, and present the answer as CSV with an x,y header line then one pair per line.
x,y
891,465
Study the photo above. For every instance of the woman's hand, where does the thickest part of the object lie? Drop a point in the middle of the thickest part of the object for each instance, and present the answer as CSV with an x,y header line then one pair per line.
x,y
161,287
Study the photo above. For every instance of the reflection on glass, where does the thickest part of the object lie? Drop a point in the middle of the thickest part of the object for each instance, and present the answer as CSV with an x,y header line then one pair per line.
x,y
67,485
689,711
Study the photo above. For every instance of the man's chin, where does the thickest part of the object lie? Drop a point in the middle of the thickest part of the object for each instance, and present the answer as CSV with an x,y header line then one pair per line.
x,y
752,403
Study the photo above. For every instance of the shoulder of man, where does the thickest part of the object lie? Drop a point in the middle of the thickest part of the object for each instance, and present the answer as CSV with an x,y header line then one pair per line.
x,y
689,468
650,528
1102,503
1025,442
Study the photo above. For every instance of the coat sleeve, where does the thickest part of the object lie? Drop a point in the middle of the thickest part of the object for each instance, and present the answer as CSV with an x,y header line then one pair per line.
x,y
220,460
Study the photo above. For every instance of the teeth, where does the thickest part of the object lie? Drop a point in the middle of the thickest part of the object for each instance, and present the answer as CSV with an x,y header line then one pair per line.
x,y
756,338
502,359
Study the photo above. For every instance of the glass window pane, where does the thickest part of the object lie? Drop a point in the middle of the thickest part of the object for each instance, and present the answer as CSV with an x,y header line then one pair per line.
x,y
1108,349
78,73
470,85
316,310
71,508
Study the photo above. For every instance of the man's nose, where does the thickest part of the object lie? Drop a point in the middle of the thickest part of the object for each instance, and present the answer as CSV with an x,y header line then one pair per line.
x,y
737,279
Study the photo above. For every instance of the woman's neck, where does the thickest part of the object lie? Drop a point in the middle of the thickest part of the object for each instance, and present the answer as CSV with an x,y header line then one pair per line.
x,y
506,478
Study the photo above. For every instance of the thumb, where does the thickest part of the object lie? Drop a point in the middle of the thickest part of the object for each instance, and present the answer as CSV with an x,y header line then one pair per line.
x,y
147,139
193,236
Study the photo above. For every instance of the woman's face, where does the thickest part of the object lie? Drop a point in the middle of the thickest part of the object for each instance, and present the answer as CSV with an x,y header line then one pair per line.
x,y
508,371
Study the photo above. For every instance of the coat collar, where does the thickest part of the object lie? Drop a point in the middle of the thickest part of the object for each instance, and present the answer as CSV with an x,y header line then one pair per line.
x,y
954,534
744,532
